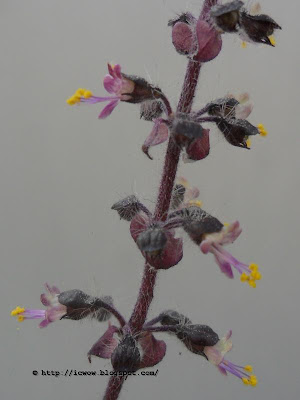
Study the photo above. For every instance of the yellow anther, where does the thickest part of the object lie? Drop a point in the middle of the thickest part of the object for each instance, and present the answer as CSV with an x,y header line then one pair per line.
x,y
272,40
262,130
246,381
87,94
252,283
196,203
244,277
256,275
79,92
253,267
244,45
253,380
248,368
17,310
71,101
21,318
248,143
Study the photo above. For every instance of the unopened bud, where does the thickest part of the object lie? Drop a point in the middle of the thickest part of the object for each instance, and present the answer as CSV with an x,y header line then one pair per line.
x,y
184,129
142,90
126,356
127,208
224,107
199,335
171,317
151,110
152,241
227,16
177,196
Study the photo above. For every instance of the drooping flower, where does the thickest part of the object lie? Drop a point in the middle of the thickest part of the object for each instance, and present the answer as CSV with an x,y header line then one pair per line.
x,y
53,312
214,243
251,26
229,114
215,354
121,87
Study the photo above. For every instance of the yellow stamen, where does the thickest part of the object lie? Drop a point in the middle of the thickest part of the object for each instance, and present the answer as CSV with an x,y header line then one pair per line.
x,y
71,101
244,45
248,368
79,92
226,224
253,380
246,381
253,267
17,310
244,277
262,130
252,283
21,318
272,40
248,143
196,203
87,94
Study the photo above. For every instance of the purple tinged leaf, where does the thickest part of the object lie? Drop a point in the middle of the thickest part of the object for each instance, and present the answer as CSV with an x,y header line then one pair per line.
x,y
153,350
105,346
107,110
158,135
209,42
199,148
184,38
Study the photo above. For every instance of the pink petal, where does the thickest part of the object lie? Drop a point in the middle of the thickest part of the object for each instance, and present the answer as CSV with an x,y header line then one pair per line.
x,y
225,267
209,42
222,370
231,233
243,111
154,350
107,110
44,299
44,323
158,135
55,313
138,225
105,346
199,148
205,246
112,85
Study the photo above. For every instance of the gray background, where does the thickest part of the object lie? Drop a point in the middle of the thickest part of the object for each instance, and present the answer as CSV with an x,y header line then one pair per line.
x,y
61,169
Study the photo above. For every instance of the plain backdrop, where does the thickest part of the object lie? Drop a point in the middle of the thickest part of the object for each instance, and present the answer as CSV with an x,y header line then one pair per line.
x,y
61,169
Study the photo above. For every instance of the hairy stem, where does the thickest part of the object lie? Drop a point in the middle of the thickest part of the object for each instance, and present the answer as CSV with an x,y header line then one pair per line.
x,y
139,314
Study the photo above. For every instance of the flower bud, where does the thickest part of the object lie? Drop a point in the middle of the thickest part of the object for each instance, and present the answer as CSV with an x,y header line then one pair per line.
x,y
224,107
184,129
177,196
183,34
127,208
171,317
151,109
258,28
80,305
152,241
227,16
126,356
142,90
199,335
237,131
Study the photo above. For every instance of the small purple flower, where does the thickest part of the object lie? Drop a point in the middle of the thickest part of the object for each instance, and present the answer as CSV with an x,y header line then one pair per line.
x,y
214,242
215,354
114,83
54,310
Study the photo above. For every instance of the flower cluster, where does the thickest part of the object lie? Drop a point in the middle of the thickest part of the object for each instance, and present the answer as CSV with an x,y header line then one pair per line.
x,y
158,244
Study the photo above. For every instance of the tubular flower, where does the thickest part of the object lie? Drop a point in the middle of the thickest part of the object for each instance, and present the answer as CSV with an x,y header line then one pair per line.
x,y
122,87
215,354
251,26
214,242
53,312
